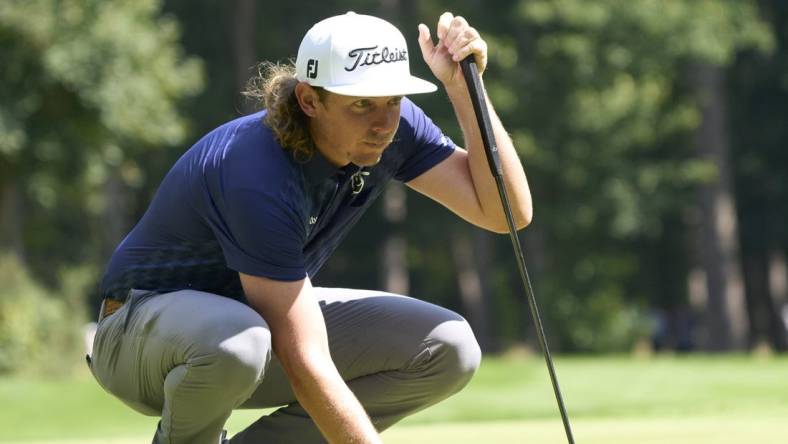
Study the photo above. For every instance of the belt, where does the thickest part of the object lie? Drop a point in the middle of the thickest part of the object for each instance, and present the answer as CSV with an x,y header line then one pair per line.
x,y
109,306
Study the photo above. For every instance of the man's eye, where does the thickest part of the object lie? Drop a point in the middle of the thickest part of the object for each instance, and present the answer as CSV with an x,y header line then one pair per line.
x,y
395,101
362,104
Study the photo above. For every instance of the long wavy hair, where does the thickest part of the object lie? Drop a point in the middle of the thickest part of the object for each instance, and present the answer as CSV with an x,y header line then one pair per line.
x,y
273,87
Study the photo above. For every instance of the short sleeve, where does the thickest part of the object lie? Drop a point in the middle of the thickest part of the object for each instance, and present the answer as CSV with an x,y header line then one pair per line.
x,y
427,145
250,196
261,235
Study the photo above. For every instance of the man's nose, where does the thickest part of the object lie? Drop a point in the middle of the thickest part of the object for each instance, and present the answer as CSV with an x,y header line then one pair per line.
x,y
385,120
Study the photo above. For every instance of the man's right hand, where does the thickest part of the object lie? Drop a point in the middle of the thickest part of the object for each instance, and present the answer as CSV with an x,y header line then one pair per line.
x,y
298,336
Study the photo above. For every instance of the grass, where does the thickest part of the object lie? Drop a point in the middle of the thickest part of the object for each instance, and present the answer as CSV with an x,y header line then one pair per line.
x,y
688,399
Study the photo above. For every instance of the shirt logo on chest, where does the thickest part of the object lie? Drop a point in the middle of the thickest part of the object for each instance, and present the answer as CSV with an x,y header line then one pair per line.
x,y
357,181
312,220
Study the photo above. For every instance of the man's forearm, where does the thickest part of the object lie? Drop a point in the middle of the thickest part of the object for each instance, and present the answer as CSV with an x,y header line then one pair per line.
x,y
328,400
300,341
484,184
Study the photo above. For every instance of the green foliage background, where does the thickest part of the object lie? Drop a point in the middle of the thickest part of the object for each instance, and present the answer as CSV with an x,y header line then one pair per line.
x,y
99,97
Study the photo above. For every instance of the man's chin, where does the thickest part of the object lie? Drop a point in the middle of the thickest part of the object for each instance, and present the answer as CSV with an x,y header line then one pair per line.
x,y
369,158
368,161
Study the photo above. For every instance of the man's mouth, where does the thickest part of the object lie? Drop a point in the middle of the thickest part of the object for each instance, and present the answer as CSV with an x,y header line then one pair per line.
x,y
378,145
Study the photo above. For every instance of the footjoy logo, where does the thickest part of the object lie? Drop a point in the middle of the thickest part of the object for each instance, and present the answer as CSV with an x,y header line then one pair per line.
x,y
372,56
311,68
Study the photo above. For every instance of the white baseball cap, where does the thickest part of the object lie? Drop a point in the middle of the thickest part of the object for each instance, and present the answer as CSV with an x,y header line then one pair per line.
x,y
358,55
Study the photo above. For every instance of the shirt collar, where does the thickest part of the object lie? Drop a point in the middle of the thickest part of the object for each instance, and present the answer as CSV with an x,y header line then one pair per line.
x,y
317,169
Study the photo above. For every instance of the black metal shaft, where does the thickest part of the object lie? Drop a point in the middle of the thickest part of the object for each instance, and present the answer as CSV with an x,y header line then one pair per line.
x,y
471,74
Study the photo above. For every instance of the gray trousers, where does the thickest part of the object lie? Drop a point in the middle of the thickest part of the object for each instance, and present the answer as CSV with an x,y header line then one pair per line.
x,y
192,358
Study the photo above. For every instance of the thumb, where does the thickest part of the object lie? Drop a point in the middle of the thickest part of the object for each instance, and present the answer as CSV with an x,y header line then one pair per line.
x,y
425,42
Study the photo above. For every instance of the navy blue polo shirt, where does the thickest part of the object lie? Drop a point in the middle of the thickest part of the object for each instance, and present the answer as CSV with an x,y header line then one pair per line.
x,y
238,202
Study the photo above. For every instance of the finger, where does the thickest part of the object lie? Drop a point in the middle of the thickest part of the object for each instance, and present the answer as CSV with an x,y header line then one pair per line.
x,y
463,40
477,48
444,22
425,41
457,28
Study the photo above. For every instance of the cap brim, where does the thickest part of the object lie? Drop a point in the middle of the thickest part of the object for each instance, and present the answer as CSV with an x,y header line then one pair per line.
x,y
378,88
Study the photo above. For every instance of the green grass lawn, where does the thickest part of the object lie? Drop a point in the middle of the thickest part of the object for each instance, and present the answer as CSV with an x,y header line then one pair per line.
x,y
692,399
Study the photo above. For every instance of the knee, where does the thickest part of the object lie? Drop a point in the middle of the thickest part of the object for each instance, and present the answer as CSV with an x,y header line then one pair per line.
x,y
240,360
456,353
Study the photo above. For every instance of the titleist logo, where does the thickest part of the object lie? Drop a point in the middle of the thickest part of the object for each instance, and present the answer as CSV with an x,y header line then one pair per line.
x,y
369,56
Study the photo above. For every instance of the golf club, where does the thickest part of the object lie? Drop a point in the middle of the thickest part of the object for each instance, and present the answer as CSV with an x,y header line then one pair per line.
x,y
471,73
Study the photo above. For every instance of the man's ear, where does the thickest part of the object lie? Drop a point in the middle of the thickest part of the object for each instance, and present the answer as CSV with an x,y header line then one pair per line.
x,y
308,99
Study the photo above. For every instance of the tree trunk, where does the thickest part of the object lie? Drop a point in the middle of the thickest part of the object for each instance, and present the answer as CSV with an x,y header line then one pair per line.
x,y
763,309
394,273
778,313
396,278
472,255
244,16
756,286
724,323
116,213
11,234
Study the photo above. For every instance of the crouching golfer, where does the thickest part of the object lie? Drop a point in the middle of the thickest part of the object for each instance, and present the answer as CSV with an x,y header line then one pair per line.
x,y
208,305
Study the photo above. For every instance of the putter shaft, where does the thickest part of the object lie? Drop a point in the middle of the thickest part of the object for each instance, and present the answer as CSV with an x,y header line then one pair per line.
x,y
471,74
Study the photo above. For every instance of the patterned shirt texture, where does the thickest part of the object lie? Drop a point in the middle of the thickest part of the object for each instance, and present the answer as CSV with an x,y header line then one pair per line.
x,y
238,202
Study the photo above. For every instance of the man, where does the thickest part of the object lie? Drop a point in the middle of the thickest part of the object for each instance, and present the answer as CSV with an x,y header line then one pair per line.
x,y
216,275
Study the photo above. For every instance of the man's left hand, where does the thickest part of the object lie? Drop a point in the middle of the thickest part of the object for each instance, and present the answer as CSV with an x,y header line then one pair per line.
x,y
456,40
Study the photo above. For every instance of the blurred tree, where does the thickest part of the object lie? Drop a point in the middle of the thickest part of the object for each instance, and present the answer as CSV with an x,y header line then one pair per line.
x,y
37,331
89,87
759,105
595,96
621,158
718,244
